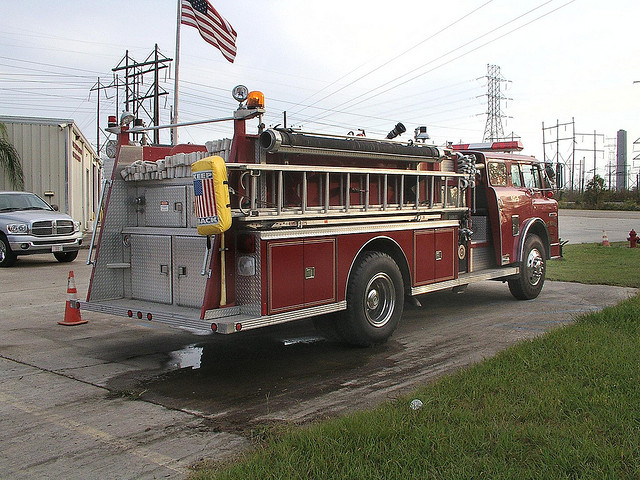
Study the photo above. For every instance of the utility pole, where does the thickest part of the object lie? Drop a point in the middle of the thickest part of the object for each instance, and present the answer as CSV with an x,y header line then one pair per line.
x,y
97,87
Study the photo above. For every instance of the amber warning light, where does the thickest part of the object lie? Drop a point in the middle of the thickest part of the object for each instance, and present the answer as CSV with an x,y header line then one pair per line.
x,y
255,99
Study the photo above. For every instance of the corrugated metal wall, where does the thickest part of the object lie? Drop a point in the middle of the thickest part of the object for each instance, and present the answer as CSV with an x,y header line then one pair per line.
x,y
56,158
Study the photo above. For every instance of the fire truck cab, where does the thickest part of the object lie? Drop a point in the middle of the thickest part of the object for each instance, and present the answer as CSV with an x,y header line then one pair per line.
x,y
339,228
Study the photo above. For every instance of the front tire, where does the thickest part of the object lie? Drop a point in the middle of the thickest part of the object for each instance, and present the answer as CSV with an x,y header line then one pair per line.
x,y
528,284
65,257
7,257
375,301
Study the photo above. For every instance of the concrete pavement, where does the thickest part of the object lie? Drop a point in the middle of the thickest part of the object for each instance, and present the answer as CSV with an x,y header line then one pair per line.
x,y
57,419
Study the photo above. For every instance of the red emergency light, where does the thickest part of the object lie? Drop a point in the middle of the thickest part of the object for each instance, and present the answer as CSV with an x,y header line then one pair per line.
x,y
509,146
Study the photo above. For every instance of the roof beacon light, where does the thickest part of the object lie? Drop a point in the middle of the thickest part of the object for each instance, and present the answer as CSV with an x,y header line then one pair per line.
x,y
255,99
510,146
420,134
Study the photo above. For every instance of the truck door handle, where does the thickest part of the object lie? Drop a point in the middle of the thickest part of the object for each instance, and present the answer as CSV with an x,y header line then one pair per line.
x,y
182,271
164,269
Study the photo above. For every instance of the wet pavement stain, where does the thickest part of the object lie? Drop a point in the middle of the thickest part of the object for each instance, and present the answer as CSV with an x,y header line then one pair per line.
x,y
237,380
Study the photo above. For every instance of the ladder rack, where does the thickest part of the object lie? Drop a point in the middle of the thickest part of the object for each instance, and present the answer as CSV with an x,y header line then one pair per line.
x,y
293,192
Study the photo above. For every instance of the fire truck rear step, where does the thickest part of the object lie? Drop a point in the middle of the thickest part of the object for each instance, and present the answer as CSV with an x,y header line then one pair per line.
x,y
185,318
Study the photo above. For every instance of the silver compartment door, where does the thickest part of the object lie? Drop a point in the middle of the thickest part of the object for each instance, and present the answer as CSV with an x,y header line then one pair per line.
x,y
151,268
189,285
165,206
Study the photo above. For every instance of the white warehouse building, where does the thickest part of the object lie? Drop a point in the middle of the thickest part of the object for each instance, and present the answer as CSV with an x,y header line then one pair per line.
x,y
58,163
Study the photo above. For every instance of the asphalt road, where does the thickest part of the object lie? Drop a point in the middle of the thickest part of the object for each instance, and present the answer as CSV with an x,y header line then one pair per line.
x,y
586,226
117,398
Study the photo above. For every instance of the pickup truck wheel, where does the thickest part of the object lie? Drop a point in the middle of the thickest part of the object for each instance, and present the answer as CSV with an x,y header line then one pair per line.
x,y
375,301
7,257
64,257
529,282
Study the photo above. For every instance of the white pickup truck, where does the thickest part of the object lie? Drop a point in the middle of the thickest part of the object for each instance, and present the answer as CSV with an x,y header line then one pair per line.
x,y
30,225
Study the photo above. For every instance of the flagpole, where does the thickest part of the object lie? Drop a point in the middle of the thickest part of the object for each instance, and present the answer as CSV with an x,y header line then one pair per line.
x,y
174,130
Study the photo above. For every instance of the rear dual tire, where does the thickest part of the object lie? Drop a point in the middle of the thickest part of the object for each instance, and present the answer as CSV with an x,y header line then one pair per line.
x,y
375,301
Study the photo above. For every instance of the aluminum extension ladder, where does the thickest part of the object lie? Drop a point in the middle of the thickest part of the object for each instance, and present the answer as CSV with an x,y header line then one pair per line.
x,y
264,192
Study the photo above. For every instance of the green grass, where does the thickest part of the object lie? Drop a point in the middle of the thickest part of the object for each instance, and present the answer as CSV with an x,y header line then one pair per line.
x,y
565,405
598,265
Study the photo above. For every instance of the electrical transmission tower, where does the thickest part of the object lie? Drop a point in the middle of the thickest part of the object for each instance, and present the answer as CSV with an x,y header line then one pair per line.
x,y
137,89
134,76
559,141
571,172
493,129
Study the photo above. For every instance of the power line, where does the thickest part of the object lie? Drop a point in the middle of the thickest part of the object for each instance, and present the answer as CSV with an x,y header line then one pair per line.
x,y
363,97
391,59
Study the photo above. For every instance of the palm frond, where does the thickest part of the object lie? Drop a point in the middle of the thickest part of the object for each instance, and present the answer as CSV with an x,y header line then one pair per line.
x,y
10,160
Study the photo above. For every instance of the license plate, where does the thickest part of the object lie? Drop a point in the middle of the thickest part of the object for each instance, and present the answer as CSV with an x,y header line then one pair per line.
x,y
56,248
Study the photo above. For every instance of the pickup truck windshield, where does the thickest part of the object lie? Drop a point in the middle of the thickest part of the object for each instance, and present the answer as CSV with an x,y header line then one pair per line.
x,y
10,202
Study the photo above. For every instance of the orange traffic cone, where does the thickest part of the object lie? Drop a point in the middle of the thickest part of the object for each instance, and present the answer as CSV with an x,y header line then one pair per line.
x,y
605,239
72,310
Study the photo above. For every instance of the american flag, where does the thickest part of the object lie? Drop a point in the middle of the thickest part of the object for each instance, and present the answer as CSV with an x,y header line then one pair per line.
x,y
211,25
204,193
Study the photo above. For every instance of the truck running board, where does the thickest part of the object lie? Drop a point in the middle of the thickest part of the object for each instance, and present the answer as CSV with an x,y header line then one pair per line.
x,y
246,322
467,278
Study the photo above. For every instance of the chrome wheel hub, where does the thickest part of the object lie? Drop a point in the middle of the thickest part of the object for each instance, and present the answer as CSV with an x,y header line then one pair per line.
x,y
373,300
379,300
535,267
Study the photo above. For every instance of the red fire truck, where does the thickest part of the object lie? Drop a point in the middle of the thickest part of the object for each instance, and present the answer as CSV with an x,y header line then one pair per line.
x,y
283,225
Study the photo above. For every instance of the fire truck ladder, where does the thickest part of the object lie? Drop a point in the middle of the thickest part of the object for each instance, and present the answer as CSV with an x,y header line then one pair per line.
x,y
104,187
290,193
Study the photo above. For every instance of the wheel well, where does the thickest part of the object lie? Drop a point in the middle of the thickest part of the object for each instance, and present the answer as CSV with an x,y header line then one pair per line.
x,y
540,229
391,248
2,235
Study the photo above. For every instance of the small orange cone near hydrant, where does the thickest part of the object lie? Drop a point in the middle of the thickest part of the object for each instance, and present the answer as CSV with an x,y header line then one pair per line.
x,y
72,310
605,239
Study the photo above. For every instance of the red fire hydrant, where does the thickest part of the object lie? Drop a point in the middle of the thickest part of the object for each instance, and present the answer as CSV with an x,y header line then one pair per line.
x,y
633,239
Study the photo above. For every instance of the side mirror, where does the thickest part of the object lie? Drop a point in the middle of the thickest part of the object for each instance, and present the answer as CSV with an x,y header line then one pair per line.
x,y
55,207
550,194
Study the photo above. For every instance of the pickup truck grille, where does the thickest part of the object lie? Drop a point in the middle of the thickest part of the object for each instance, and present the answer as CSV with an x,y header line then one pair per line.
x,y
52,227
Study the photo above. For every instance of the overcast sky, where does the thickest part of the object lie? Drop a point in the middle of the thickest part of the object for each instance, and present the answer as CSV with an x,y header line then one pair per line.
x,y
341,66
